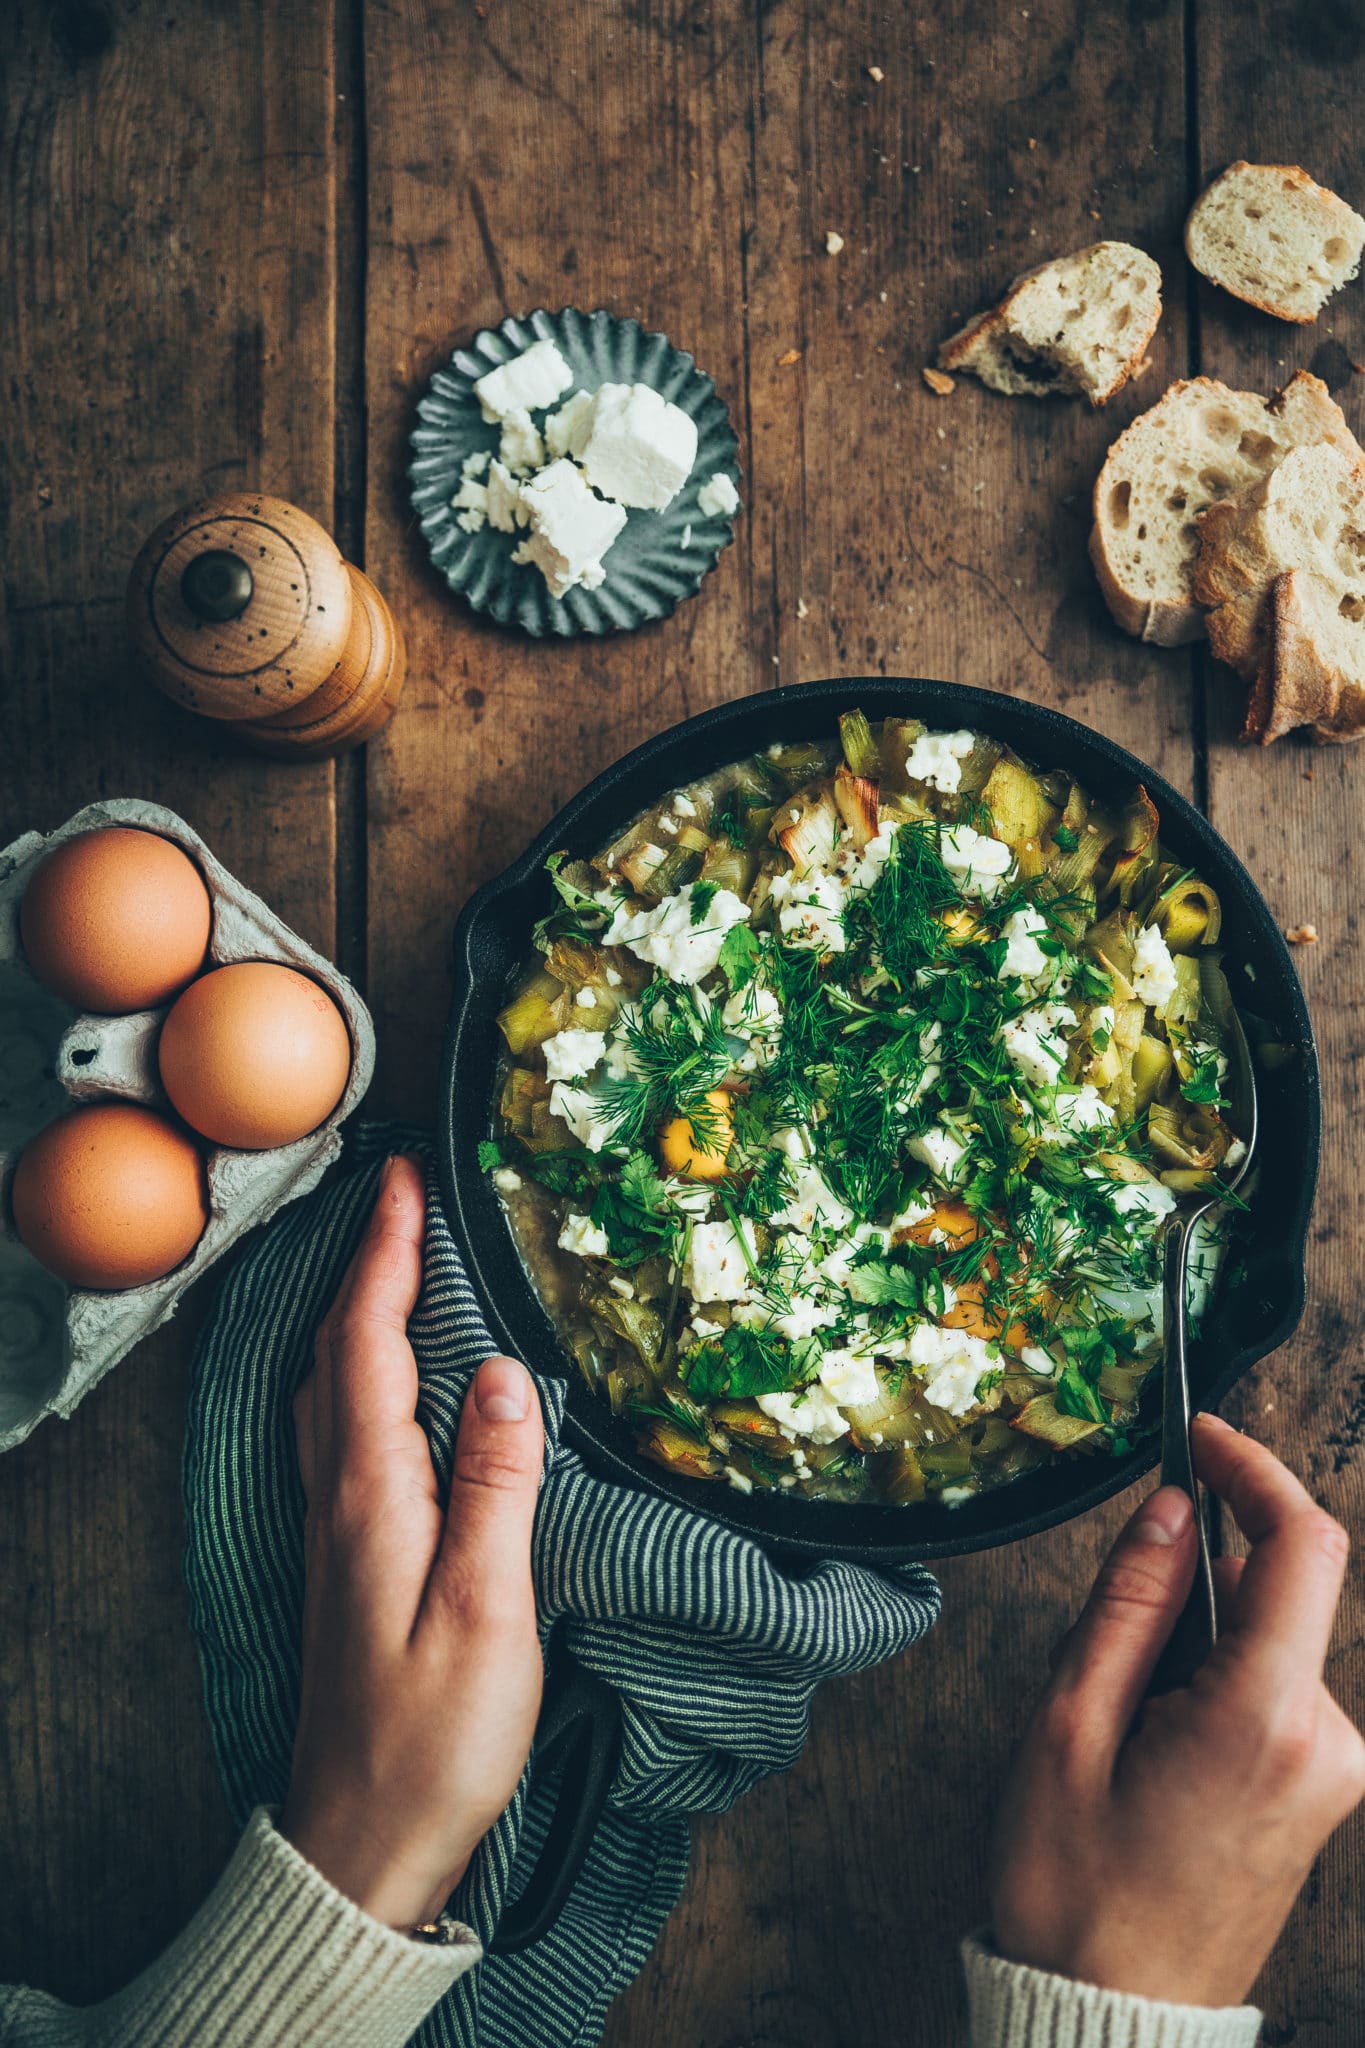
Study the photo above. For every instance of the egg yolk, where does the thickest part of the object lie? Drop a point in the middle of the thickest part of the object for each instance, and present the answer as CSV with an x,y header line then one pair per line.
x,y
696,1156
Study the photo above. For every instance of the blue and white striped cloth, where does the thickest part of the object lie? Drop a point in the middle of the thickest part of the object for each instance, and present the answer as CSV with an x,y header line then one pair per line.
x,y
715,1651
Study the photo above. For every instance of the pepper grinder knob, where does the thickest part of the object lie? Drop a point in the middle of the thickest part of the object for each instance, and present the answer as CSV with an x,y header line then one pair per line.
x,y
216,586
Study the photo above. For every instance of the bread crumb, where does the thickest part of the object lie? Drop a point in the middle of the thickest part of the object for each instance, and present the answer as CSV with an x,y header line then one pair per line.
x,y
785,362
1033,142
1093,214
834,242
938,380
1302,934
802,608
882,297
875,73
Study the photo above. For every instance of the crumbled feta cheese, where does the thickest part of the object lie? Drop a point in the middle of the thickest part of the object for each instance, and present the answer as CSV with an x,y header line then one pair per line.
x,y
1142,1198
716,1268
954,1496
668,939
683,805
718,498
613,978
580,1234
804,1317
976,862
837,1266
867,869
811,1413
811,911
937,757
640,448
470,505
476,464
1234,1156
1075,1111
952,1362
1024,958
1037,1360
521,449
702,1327
1034,1042
505,509
569,1055
532,380
571,529
739,1480
814,1205
940,1149
850,1377
1154,977
620,1285
791,1141
566,431
1102,1018
914,1213
507,1180
580,1111
752,1012
585,999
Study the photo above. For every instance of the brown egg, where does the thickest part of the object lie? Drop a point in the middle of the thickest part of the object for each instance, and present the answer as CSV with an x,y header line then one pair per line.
x,y
116,920
255,1055
111,1195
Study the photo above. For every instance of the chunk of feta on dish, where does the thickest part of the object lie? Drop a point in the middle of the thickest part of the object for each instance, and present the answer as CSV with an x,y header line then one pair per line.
x,y
937,757
569,1055
812,1413
571,529
814,1204
716,1268
1154,979
952,1363
505,509
976,862
582,1112
810,912
804,1317
580,1234
940,1149
521,449
507,1180
1142,1198
717,498
1035,1045
470,504
752,1012
566,431
850,1377
667,938
640,448
1024,958
531,381
1074,1112
1035,1359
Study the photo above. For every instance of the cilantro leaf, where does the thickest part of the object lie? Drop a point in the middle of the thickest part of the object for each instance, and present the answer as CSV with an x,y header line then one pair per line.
x,y
1076,1396
1066,839
740,953
878,1284
703,896
742,1363
635,1212
579,916
1203,1084
490,1155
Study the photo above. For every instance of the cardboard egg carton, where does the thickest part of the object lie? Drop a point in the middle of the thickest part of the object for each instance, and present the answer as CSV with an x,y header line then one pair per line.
x,y
58,1342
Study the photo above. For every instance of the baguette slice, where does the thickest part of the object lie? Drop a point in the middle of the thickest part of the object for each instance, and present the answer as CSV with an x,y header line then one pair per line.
x,y
1199,443
1308,513
1078,324
1315,673
1269,235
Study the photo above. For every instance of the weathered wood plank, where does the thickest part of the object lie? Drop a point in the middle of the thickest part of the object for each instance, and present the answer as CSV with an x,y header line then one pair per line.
x,y
166,300
1296,814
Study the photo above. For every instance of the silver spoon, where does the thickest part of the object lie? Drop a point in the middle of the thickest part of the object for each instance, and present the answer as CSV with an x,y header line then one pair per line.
x,y
1196,1631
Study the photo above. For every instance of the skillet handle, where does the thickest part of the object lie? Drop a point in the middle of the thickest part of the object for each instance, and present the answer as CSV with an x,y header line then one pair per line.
x,y
579,1734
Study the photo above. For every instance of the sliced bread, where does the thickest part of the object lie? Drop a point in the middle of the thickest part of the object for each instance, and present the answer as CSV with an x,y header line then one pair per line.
x,y
1308,513
1200,443
1314,674
1078,324
1269,235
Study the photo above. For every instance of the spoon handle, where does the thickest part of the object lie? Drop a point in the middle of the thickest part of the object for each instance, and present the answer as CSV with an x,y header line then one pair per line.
x,y
1197,1628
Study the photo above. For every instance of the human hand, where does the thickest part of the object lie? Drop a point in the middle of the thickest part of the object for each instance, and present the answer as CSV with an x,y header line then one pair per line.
x,y
1158,1848
421,1664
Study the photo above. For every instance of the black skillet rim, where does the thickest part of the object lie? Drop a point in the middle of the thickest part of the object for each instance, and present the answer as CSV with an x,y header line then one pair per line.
x,y
1248,1322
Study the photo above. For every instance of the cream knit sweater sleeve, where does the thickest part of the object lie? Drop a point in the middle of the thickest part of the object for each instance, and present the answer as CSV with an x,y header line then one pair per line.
x,y
1013,2006
274,1958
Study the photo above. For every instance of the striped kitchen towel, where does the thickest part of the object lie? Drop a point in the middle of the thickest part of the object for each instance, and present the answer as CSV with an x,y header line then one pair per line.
x,y
715,1650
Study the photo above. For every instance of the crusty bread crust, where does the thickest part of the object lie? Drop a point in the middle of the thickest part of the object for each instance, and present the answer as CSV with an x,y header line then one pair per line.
x,y
991,347
1314,673
1267,183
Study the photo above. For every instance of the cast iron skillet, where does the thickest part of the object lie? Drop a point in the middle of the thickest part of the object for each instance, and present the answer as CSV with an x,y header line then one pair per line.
x,y
1247,1320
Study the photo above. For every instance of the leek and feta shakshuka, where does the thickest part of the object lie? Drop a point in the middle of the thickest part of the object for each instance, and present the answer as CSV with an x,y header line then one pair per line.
x,y
845,1102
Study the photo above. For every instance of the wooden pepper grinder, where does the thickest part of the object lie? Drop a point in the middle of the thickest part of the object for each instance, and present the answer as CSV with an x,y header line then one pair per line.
x,y
242,609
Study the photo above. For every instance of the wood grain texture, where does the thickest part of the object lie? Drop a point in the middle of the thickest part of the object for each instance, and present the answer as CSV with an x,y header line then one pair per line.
x,y
167,307
214,222
1296,814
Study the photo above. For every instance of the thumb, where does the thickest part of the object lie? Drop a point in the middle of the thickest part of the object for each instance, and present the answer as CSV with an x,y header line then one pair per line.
x,y
495,1480
1107,1661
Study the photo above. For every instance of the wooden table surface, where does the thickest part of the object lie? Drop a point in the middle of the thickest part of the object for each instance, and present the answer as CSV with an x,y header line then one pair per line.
x,y
236,239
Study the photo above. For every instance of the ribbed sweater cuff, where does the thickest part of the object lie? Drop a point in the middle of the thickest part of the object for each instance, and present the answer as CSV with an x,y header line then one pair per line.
x,y
1013,2006
278,1957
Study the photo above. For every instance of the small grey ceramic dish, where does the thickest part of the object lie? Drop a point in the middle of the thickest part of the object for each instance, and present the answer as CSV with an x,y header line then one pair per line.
x,y
657,560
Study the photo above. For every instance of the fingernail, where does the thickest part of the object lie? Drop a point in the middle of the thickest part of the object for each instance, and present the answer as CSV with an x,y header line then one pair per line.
x,y
502,1390
1163,1518
386,1174
1207,1420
